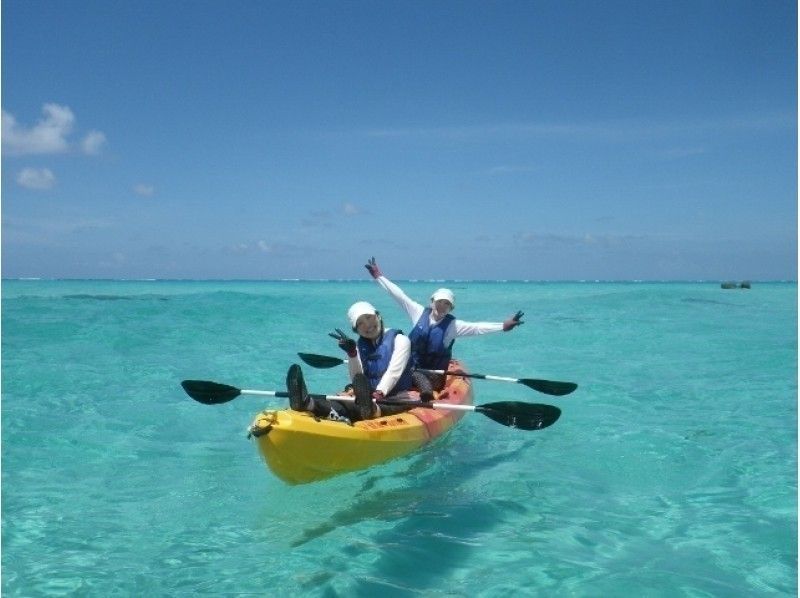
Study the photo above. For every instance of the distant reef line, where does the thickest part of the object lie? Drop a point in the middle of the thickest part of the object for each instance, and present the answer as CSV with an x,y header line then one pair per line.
x,y
745,284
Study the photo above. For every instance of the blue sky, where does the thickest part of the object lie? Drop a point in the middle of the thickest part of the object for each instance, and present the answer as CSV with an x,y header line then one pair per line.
x,y
534,140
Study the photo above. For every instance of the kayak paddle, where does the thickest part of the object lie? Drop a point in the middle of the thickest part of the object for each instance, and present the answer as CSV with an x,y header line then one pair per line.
x,y
214,393
548,387
514,414
321,361
525,416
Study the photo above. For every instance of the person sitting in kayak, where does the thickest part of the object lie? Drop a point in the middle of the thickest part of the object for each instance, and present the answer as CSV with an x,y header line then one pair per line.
x,y
435,328
379,366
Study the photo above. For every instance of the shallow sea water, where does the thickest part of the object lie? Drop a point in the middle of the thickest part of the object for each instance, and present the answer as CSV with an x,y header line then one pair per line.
x,y
672,471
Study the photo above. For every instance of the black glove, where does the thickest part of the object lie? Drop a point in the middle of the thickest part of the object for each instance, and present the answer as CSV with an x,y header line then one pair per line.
x,y
346,344
513,321
372,267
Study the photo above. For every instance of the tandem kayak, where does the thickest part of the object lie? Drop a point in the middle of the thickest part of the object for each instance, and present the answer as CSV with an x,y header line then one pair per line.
x,y
299,448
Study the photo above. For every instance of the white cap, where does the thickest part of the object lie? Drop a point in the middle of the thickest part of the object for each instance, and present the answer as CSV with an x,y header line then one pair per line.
x,y
445,294
359,309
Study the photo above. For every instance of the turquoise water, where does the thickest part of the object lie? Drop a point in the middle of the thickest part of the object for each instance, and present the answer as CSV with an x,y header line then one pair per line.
x,y
672,471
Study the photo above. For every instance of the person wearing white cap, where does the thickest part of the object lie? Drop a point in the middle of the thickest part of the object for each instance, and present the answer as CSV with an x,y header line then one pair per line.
x,y
379,366
435,328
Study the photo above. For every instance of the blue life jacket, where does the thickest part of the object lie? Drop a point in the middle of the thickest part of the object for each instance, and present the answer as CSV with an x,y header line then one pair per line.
x,y
375,361
427,342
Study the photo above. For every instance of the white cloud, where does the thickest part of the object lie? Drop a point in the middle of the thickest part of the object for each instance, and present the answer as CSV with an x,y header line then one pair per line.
x,y
326,218
619,130
239,248
144,190
93,142
534,239
246,248
351,209
36,178
50,135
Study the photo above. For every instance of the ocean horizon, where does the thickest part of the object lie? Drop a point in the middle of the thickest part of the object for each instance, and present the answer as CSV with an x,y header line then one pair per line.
x,y
415,280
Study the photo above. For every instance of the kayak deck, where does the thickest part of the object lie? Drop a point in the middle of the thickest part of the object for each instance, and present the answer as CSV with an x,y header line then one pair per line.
x,y
299,448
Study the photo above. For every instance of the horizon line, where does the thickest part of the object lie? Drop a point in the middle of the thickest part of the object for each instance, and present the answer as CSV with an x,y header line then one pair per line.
x,y
411,280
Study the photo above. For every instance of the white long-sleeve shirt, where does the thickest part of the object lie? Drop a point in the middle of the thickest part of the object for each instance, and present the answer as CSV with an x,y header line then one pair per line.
x,y
400,356
414,311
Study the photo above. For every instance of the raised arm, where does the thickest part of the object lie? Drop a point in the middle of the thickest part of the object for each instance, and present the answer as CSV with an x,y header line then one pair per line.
x,y
412,308
349,346
475,328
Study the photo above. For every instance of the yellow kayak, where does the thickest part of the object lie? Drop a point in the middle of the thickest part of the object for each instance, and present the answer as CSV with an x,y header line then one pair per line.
x,y
300,448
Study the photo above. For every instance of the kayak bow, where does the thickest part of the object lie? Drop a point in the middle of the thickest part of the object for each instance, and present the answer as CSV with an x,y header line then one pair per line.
x,y
300,448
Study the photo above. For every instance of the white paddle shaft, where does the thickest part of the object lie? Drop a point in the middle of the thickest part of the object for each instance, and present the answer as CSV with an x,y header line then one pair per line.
x,y
349,399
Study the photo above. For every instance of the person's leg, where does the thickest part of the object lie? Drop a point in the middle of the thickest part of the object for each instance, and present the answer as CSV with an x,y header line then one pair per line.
x,y
296,387
437,381
300,401
333,410
365,407
423,383
411,396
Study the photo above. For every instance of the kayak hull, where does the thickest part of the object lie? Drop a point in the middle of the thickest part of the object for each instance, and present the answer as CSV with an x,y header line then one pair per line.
x,y
299,448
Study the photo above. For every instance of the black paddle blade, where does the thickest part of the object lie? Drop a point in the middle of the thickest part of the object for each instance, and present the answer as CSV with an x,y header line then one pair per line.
x,y
210,393
525,416
320,361
549,387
